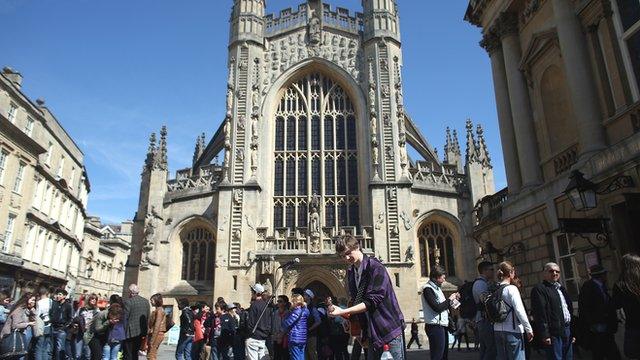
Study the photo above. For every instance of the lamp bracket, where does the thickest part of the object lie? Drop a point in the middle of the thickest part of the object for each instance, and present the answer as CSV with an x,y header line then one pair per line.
x,y
617,183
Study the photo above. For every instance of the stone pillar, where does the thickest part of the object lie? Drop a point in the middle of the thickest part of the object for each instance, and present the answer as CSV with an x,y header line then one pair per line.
x,y
584,95
491,43
528,155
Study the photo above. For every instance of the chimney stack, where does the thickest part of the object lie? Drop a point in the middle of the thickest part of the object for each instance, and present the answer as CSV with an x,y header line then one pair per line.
x,y
13,76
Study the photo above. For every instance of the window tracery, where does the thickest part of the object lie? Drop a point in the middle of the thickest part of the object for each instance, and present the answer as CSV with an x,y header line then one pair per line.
x,y
315,154
198,255
436,248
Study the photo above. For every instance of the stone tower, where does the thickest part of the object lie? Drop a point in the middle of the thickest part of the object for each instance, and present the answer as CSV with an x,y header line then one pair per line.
x,y
314,142
146,253
478,164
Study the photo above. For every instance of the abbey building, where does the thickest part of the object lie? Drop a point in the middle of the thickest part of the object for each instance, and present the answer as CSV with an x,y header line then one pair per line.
x,y
316,142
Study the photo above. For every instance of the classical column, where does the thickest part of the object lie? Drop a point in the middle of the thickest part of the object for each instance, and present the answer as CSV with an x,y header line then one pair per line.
x,y
491,43
584,95
525,134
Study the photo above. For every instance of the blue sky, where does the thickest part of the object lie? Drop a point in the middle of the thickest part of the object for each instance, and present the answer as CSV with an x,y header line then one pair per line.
x,y
114,71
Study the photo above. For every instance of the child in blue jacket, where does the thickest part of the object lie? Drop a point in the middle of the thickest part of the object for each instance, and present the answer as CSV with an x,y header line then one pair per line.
x,y
296,326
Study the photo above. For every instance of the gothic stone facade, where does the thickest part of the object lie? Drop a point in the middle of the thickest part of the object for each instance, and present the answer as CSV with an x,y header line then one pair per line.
x,y
566,81
314,145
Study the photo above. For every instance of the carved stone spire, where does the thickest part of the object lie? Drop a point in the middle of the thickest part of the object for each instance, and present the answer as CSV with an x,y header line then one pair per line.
x,y
483,152
151,152
447,145
162,149
199,148
472,151
455,143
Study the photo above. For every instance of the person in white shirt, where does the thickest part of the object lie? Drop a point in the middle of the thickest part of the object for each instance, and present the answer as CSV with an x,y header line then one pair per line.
x,y
43,343
484,326
509,334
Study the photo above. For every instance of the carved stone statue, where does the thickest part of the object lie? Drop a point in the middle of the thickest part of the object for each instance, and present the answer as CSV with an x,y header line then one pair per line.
x,y
227,134
314,217
150,242
409,254
229,102
372,98
315,29
373,125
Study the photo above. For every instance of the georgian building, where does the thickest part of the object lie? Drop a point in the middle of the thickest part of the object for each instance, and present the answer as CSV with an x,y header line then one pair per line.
x,y
566,78
316,142
43,193
104,255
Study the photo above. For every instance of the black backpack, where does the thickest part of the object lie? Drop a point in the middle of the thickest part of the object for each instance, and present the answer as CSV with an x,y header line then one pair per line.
x,y
496,309
468,306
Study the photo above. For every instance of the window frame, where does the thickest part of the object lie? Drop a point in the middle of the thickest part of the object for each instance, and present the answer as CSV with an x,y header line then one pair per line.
x,y
623,36
8,232
12,113
572,260
4,157
29,125
17,185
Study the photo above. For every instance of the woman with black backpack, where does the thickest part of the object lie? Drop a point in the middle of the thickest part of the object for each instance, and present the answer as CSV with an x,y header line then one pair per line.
x,y
510,318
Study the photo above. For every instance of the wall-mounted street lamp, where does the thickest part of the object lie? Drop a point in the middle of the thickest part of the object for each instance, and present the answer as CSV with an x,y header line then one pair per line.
x,y
89,271
583,195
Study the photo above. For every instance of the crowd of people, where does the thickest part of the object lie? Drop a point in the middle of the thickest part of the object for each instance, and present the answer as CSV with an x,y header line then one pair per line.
x,y
506,330
48,325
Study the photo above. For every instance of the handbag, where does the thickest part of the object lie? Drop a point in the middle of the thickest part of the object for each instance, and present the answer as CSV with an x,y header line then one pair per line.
x,y
13,345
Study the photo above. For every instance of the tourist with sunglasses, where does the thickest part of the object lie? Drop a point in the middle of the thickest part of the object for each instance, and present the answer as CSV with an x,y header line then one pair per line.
x,y
552,312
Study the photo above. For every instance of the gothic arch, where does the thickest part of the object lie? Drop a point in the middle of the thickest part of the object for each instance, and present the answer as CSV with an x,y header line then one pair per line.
x,y
197,235
323,275
352,90
456,232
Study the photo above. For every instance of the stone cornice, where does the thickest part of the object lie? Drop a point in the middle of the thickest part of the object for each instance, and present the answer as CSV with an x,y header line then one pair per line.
x,y
490,42
594,11
19,138
506,24
475,10
62,187
54,227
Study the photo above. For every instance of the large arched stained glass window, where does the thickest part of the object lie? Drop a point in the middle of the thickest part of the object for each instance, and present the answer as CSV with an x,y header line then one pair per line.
x,y
198,255
315,154
436,248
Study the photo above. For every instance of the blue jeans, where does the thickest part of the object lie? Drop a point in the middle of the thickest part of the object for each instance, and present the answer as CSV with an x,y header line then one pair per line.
x,y
59,344
28,336
509,346
438,342
487,340
43,347
81,350
110,351
396,348
296,351
561,346
183,350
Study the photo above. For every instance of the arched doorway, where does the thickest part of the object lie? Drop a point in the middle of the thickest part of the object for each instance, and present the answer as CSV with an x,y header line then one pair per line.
x,y
320,290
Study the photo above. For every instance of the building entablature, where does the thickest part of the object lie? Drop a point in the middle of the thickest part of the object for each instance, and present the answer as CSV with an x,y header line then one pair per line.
x,y
53,226
62,186
19,138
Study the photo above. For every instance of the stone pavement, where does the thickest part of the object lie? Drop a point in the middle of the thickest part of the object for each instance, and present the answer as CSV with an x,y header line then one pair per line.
x,y
168,353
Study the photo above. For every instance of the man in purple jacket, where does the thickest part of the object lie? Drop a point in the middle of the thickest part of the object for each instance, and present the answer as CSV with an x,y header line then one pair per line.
x,y
374,300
